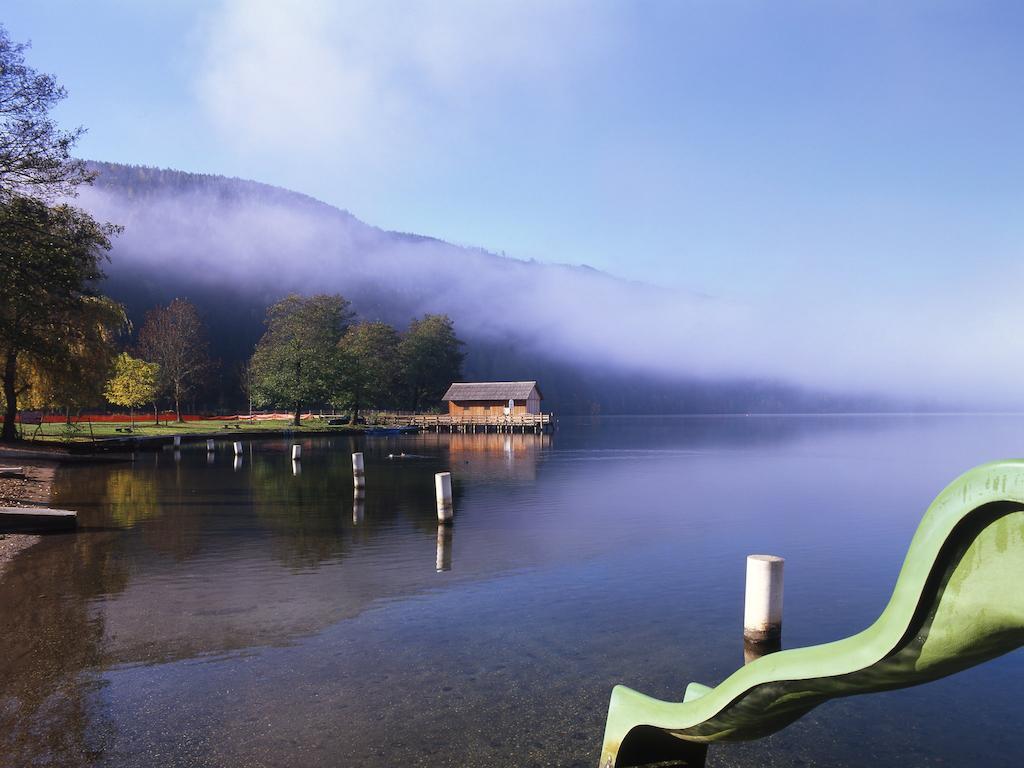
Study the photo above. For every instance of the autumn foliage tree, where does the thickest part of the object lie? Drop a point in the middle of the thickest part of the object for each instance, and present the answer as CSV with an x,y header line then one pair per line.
x,y
75,378
174,338
134,383
50,257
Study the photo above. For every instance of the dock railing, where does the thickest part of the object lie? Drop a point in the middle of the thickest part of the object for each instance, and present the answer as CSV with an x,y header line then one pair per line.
x,y
498,422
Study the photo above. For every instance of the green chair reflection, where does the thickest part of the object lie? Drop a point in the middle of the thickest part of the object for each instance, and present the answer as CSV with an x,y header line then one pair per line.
x,y
958,601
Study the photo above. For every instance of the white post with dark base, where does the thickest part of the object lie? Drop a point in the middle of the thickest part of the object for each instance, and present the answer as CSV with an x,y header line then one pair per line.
x,y
443,487
238,449
358,473
762,609
296,452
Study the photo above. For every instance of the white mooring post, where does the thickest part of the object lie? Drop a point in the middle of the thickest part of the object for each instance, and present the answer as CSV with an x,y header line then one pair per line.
x,y
177,441
238,448
296,452
762,610
358,475
209,446
443,487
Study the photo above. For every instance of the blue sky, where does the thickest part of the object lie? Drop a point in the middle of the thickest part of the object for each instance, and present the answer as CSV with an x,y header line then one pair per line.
x,y
753,150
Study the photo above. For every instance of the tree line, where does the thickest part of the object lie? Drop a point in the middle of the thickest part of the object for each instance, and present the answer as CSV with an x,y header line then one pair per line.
x,y
313,354
65,347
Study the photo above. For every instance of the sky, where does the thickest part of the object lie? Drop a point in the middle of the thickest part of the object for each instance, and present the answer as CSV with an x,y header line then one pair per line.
x,y
753,151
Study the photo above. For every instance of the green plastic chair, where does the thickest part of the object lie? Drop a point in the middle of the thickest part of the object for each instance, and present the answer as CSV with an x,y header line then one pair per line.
x,y
958,601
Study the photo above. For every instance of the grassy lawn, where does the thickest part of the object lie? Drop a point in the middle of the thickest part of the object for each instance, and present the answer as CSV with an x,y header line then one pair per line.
x,y
80,431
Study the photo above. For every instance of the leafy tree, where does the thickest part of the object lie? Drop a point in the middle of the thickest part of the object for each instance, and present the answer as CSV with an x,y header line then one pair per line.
x,y
35,155
134,383
371,363
174,338
49,259
297,361
431,358
75,378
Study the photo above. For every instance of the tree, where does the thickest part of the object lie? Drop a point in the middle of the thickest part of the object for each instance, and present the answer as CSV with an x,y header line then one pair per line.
x,y
35,155
174,338
371,365
431,358
75,378
49,259
134,383
297,361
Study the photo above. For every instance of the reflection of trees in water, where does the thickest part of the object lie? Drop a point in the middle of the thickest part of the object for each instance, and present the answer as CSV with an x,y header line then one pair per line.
x,y
52,640
309,516
131,496
298,510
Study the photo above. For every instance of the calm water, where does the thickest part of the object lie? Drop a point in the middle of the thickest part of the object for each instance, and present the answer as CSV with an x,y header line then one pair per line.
x,y
214,615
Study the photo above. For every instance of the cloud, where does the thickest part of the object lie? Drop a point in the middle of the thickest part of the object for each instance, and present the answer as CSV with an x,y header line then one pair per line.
x,y
958,345
380,77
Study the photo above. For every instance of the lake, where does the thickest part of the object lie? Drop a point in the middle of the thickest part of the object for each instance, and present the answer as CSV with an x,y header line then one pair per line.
x,y
221,613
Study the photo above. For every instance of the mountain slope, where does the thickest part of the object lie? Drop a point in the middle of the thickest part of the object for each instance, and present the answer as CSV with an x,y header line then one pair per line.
x,y
595,342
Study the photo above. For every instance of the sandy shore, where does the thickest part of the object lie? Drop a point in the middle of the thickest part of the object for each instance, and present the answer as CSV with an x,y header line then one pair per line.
x,y
30,488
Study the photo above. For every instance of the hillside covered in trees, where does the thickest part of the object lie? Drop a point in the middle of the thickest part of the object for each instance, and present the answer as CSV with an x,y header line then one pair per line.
x,y
233,247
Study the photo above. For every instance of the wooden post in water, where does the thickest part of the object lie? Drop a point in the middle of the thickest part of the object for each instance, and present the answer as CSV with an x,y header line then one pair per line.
x,y
296,452
443,488
209,445
177,441
762,609
238,448
358,474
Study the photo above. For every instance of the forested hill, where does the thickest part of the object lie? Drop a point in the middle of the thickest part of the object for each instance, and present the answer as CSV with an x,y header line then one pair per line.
x,y
596,343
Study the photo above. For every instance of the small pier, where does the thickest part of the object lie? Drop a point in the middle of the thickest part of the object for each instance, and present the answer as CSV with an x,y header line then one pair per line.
x,y
472,423
36,520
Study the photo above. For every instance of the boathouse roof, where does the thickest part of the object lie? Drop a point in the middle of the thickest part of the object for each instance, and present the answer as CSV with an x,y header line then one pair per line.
x,y
491,390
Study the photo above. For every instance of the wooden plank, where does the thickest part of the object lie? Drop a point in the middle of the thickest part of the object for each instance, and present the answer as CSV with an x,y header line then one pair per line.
x,y
36,519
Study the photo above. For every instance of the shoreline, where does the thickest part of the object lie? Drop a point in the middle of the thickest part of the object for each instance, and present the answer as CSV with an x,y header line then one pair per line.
x,y
31,487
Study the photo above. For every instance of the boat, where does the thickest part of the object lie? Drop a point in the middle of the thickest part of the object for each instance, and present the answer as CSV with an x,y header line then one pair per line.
x,y
390,431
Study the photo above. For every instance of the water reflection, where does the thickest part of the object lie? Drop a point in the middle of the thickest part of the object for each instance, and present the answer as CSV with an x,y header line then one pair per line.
x,y
53,646
358,505
443,560
191,580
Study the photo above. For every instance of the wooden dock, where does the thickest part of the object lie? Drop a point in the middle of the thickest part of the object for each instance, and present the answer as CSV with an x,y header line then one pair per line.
x,y
36,520
499,422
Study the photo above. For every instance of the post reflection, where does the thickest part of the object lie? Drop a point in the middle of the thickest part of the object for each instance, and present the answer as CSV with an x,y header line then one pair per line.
x,y
444,548
358,505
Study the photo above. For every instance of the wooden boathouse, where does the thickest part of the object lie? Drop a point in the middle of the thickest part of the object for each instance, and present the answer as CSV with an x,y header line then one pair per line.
x,y
493,398
488,406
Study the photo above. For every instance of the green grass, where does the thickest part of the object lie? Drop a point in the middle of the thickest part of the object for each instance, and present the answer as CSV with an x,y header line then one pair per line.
x,y
81,432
